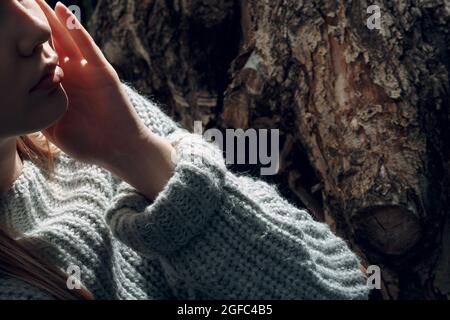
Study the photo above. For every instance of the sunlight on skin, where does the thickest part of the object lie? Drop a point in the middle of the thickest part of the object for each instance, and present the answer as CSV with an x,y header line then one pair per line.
x,y
111,134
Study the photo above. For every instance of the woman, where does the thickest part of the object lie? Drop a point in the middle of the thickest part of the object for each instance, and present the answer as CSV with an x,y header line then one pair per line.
x,y
130,203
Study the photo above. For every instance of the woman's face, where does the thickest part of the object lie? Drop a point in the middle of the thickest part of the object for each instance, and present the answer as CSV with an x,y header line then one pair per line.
x,y
26,56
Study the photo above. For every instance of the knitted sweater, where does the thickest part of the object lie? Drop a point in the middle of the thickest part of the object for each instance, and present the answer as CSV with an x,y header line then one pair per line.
x,y
209,234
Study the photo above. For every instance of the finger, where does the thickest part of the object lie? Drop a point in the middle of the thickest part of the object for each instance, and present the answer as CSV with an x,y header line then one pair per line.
x,y
90,51
60,50
59,33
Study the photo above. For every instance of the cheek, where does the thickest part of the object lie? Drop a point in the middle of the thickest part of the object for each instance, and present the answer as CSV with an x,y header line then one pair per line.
x,y
12,99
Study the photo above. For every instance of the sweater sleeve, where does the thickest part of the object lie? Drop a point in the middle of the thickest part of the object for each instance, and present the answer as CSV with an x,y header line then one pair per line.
x,y
152,114
224,236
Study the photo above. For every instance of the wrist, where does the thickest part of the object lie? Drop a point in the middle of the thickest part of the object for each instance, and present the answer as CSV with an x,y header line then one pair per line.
x,y
145,163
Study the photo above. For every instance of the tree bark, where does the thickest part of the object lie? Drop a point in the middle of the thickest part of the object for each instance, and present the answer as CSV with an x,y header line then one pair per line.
x,y
363,114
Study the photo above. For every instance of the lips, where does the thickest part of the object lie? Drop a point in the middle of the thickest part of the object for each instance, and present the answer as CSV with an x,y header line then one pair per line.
x,y
50,80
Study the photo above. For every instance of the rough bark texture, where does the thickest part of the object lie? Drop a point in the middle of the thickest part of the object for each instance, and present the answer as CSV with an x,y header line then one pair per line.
x,y
363,114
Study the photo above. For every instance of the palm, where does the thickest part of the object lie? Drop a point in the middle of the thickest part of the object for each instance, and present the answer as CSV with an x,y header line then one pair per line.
x,y
80,123
99,114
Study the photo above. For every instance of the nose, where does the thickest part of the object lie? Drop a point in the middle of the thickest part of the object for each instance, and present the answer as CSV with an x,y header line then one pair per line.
x,y
36,32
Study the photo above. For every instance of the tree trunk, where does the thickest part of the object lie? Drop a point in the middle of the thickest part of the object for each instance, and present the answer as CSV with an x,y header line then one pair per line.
x,y
363,113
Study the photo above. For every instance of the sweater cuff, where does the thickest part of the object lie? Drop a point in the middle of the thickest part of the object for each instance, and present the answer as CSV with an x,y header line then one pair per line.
x,y
182,209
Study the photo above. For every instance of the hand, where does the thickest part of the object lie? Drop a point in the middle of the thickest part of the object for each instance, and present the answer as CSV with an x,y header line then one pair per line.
x,y
101,126
100,123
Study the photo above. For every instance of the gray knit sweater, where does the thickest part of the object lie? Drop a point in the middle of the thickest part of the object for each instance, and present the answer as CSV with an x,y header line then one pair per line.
x,y
210,234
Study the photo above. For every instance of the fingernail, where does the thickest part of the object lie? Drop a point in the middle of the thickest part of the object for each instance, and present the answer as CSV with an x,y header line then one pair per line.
x,y
62,5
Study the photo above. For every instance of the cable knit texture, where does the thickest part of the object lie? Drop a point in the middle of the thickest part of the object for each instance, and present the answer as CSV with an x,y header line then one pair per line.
x,y
209,234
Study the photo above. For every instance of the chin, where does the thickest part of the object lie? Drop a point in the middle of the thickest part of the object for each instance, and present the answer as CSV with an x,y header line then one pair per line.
x,y
47,108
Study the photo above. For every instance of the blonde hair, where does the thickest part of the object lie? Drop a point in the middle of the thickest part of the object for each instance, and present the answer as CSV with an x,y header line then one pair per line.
x,y
17,257
38,149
